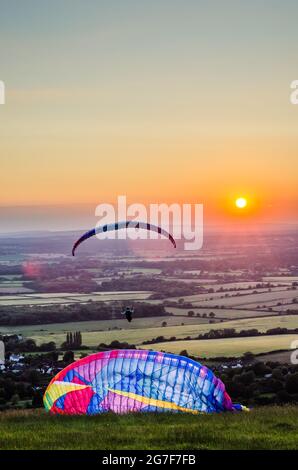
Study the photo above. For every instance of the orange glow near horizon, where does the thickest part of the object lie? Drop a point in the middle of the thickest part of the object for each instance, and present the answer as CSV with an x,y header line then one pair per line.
x,y
160,111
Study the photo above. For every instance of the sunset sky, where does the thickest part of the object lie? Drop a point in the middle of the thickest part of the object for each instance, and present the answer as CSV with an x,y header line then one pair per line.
x,y
163,101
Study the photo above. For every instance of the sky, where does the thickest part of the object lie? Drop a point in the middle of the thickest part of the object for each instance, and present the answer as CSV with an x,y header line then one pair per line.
x,y
162,101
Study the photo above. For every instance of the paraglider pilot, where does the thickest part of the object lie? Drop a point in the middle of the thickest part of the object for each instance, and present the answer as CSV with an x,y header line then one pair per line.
x,y
128,312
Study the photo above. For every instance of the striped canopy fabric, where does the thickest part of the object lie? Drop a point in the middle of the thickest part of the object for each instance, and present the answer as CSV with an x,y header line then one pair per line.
x,y
124,381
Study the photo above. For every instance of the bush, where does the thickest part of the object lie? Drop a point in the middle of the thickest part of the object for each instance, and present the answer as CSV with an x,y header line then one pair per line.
x,y
277,374
247,378
292,383
260,369
266,399
68,357
15,399
184,353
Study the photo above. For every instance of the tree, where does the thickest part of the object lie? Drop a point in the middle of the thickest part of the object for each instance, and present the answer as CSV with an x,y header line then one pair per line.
x,y
184,353
292,383
51,346
248,357
68,357
33,377
73,340
260,369
15,399
247,378
277,374
37,399
29,345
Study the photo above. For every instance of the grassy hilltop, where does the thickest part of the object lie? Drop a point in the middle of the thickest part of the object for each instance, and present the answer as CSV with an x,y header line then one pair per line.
x,y
262,428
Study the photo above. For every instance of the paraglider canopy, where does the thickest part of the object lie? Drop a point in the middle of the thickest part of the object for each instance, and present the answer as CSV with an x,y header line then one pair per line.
x,y
125,381
120,226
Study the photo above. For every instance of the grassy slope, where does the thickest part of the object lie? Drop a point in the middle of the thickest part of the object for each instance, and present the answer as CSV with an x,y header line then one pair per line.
x,y
262,428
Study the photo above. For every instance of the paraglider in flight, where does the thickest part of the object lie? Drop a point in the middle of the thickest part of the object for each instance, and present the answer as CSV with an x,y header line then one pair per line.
x,y
128,312
123,225
126,381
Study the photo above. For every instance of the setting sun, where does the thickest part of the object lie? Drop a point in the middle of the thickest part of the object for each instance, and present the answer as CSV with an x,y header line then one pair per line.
x,y
241,202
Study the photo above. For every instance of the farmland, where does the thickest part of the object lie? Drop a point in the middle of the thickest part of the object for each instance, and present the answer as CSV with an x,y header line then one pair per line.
x,y
67,298
223,313
13,284
142,330
232,300
215,289
105,325
230,347
238,298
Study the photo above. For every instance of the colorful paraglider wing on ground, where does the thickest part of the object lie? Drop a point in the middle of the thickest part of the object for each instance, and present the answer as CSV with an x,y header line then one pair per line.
x,y
120,226
136,380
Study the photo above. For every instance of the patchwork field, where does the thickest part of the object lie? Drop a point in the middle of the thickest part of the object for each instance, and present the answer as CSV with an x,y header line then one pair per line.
x,y
238,309
67,298
104,325
13,284
248,299
136,333
252,300
228,346
235,285
250,295
281,279
225,313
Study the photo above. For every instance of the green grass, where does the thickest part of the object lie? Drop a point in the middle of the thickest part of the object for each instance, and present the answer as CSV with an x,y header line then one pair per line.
x,y
230,347
67,298
100,325
262,428
240,299
223,313
145,329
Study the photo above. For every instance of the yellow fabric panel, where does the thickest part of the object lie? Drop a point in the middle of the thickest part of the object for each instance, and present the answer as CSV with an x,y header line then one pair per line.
x,y
57,389
153,401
